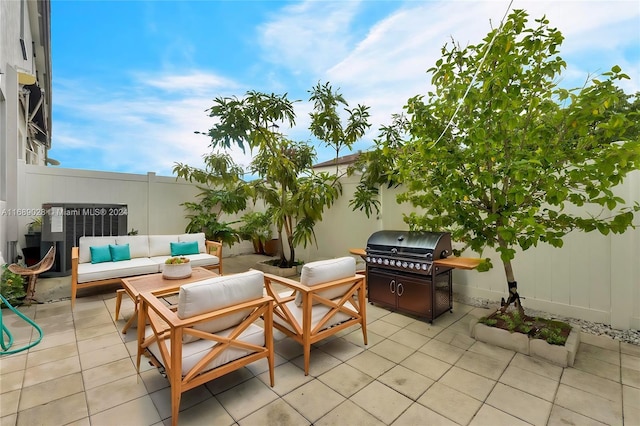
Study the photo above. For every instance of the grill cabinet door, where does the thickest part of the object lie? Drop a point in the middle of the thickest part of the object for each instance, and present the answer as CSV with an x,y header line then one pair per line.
x,y
414,295
382,287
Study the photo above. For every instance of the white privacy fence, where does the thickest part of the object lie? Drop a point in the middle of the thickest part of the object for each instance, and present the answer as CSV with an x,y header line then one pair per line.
x,y
593,277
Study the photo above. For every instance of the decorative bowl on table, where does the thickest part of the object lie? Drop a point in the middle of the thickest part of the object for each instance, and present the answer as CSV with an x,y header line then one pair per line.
x,y
176,268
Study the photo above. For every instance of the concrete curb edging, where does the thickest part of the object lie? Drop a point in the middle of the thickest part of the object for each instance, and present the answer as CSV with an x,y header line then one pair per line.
x,y
275,270
563,356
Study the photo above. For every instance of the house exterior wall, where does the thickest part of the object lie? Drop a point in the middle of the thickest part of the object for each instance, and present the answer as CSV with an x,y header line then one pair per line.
x,y
15,71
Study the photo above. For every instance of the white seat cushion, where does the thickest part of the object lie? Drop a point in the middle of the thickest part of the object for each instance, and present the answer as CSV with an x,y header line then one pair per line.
x,y
193,352
317,313
216,293
322,271
108,270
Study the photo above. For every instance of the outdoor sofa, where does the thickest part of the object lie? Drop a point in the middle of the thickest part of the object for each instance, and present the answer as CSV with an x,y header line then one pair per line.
x,y
106,260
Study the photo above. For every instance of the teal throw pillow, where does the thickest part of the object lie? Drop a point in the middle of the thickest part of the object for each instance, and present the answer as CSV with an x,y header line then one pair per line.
x,y
120,252
100,254
184,248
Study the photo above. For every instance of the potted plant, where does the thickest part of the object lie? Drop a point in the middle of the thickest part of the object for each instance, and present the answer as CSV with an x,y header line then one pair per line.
x,y
34,232
35,226
257,229
176,268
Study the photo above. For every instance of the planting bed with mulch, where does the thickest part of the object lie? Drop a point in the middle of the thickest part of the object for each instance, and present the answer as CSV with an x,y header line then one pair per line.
x,y
552,331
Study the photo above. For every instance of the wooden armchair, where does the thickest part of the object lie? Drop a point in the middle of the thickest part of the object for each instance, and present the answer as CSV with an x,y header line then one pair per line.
x,y
211,332
329,298
34,271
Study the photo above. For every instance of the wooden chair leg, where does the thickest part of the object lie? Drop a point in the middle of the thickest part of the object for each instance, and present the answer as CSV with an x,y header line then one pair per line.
x,y
118,302
31,288
307,357
175,403
129,322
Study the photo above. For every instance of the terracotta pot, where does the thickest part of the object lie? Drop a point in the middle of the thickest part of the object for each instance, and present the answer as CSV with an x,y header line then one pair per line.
x,y
272,247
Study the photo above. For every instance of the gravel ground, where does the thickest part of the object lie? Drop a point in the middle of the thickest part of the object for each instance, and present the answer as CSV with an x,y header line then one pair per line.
x,y
628,336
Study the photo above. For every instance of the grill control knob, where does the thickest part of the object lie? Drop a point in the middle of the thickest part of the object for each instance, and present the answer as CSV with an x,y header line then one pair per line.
x,y
392,262
404,264
386,261
411,266
368,259
380,261
424,266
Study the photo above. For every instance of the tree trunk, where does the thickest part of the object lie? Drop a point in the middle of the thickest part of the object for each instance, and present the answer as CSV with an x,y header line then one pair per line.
x,y
292,253
512,285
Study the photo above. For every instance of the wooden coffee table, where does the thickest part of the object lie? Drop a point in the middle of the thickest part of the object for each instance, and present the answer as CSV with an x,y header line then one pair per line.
x,y
133,286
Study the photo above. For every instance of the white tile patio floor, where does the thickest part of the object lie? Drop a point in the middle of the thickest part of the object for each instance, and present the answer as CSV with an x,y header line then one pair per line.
x,y
411,373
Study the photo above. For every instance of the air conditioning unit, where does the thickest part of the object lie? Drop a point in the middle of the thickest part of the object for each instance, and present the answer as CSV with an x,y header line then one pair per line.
x,y
64,224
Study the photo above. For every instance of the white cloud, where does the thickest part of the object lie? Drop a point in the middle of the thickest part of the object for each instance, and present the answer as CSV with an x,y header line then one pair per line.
x,y
197,82
310,36
123,131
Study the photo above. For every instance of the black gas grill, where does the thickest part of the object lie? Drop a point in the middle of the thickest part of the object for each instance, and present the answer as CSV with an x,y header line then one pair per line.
x,y
403,273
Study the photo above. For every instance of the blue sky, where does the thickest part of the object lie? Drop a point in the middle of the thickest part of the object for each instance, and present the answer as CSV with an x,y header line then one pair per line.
x,y
132,79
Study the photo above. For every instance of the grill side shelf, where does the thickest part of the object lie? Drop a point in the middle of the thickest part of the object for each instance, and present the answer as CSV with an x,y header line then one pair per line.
x,y
459,262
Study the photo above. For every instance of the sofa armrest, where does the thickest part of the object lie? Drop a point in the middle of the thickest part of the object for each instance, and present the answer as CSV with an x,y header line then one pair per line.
x,y
215,248
75,259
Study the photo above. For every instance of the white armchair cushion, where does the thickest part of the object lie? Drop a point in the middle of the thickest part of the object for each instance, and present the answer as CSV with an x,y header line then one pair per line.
x,y
138,244
216,293
199,237
322,271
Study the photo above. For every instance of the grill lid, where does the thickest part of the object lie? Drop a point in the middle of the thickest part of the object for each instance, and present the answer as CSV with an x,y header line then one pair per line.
x,y
432,245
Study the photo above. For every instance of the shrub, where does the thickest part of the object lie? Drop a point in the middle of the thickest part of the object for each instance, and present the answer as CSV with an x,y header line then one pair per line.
x,y
12,286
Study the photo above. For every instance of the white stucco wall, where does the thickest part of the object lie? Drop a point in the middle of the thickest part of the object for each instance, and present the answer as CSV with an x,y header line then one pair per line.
x,y
154,202
592,276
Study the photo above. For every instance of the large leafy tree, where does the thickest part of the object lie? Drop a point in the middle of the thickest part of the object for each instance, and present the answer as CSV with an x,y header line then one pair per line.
x,y
327,122
295,195
502,156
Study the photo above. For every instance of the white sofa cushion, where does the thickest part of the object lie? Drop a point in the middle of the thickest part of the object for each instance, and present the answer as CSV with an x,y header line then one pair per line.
x,y
322,271
138,244
216,293
160,245
199,237
109,270
84,244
